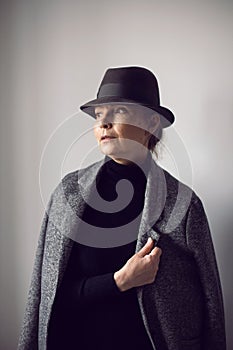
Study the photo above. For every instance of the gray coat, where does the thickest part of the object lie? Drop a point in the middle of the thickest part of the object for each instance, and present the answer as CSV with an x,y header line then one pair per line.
x,y
183,308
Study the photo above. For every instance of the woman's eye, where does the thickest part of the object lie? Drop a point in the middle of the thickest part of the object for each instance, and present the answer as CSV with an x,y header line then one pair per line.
x,y
121,110
98,115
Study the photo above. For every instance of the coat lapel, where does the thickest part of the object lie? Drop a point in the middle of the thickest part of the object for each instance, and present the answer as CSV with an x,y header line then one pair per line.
x,y
155,197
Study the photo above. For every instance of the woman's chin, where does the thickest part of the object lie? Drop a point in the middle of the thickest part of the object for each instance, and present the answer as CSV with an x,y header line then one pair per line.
x,y
130,154
109,150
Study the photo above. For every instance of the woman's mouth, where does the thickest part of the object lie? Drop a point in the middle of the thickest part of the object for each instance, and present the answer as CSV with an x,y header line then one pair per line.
x,y
107,138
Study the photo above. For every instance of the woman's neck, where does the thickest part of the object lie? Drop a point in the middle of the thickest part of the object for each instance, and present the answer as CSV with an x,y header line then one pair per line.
x,y
132,160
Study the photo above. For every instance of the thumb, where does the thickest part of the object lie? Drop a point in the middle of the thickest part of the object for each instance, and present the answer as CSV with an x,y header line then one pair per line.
x,y
146,248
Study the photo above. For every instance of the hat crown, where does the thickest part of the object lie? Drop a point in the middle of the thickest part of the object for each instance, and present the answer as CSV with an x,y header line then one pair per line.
x,y
134,83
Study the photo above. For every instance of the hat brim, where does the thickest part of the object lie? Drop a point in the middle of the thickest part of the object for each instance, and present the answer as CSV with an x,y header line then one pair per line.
x,y
89,108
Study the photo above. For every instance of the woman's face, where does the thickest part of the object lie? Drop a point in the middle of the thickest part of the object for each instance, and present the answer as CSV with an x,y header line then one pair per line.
x,y
121,132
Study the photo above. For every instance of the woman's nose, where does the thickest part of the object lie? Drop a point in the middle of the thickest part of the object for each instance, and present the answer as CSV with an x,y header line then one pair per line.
x,y
106,124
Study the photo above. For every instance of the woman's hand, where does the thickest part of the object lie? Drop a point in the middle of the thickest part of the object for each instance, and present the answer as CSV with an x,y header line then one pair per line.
x,y
140,269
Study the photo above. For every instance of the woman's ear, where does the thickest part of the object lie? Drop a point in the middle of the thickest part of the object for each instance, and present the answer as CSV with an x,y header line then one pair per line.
x,y
154,123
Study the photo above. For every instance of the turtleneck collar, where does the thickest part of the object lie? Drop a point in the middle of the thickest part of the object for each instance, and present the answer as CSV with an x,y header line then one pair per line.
x,y
131,170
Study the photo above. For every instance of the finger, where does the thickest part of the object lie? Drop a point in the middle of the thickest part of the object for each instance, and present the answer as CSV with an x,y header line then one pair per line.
x,y
156,252
146,249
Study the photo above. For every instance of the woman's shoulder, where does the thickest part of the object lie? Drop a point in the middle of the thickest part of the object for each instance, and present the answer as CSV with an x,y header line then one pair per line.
x,y
180,200
69,186
74,175
81,176
178,189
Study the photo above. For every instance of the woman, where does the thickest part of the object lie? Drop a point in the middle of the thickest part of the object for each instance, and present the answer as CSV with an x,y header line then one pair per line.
x,y
125,257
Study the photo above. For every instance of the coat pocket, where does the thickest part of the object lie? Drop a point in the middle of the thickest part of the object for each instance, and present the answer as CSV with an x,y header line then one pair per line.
x,y
190,344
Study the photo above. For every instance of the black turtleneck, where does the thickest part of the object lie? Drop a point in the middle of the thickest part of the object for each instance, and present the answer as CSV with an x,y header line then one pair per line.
x,y
89,311
108,178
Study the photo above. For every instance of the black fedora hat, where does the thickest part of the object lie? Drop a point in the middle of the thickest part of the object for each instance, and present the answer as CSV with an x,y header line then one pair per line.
x,y
130,85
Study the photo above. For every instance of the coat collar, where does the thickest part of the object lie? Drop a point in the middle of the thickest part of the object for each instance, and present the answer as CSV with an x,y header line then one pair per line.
x,y
76,189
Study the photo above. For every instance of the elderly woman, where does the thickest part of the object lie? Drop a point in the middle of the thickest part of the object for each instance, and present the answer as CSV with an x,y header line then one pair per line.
x,y
125,258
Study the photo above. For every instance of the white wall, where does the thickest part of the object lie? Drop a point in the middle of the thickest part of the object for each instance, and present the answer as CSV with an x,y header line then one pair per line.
x,y
53,56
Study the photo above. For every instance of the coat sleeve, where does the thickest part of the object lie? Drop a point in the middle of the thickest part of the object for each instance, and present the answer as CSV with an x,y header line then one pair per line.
x,y
28,339
200,242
